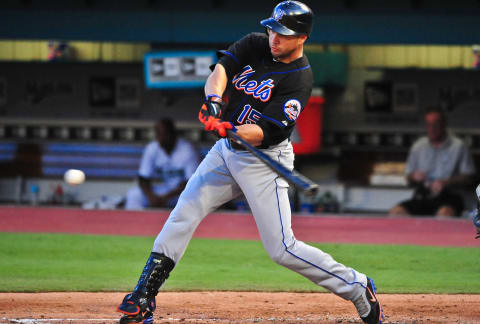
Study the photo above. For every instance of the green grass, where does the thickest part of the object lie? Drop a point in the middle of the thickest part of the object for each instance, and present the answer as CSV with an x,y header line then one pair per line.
x,y
57,262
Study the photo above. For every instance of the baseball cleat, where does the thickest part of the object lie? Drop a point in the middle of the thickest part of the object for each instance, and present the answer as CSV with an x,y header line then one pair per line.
x,y
148,319
144,319
139,305
131,319
368,306
136,309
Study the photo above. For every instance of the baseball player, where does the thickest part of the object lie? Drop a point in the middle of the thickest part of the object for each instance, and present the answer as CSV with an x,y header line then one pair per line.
x,y
270,81
166,165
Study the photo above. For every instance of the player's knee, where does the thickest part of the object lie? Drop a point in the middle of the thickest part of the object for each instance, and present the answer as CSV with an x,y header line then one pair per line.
x,y
446,211
280,255
398,210
184,220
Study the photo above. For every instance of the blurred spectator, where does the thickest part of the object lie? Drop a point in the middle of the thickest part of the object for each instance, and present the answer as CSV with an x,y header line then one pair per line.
x,y
438,165
166,165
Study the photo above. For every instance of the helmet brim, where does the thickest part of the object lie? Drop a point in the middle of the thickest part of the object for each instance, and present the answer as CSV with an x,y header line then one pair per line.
x,y
277,27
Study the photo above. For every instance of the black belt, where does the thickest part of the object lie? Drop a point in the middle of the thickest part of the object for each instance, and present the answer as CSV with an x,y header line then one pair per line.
x,y
234,145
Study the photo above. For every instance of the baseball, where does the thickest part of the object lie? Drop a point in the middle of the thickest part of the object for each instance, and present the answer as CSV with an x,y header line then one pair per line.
x,y
478,192
74,177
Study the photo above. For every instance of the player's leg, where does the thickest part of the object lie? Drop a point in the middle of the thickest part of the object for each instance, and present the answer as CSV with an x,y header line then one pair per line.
x,y
209,187
311,262
448,204
445,211
139,305
399,211
268,199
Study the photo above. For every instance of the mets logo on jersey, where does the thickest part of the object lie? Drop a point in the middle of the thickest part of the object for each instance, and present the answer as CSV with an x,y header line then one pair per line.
x,y
259,90
292,109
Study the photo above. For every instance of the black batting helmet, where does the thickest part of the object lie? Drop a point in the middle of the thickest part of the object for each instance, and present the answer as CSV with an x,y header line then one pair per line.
x,y
290,18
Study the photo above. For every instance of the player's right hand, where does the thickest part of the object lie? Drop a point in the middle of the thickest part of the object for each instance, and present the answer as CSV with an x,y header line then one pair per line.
x,y
419,176
212,107
221,128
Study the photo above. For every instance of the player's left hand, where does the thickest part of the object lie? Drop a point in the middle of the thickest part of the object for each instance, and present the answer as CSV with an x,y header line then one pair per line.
x,y
211,109
437,186
157,200
221,128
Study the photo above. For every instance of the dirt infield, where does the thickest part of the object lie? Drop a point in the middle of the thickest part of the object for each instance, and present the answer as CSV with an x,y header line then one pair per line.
x,y
236,307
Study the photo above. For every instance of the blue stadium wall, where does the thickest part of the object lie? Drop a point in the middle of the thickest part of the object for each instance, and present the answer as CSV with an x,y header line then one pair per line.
x,y
223,21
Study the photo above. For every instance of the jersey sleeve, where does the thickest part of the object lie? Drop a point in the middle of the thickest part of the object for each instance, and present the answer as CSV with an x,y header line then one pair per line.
x,y
147,162
239,53
280,115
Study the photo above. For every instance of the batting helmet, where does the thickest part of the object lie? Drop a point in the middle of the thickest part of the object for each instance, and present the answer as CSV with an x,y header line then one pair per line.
x,y
290,18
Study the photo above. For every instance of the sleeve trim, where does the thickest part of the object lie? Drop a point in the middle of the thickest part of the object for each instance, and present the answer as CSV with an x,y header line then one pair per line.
x,y
284,72
276,122
224,52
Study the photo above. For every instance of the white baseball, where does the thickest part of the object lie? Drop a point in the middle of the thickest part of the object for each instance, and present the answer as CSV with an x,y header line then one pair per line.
x,y
74,177
478,192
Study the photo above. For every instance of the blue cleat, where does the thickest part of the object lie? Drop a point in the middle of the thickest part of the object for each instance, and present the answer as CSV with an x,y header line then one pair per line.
x,y
148,319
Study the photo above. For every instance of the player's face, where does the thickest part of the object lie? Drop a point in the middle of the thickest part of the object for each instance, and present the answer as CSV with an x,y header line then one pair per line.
x,y
435,127
285,48
164,138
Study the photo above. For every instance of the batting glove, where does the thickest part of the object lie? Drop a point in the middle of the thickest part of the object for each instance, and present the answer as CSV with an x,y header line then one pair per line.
x,y
221,128
210,123
212,107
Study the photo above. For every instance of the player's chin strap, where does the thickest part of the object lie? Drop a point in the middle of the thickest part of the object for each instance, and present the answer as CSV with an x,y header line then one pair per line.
x,y
154,274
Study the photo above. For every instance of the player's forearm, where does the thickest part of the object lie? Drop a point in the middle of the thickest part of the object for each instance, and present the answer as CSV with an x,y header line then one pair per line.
x,y
216,81
146,187
252,133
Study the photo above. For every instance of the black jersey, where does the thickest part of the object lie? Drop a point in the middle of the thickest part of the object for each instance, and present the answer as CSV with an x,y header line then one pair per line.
x,y
263,91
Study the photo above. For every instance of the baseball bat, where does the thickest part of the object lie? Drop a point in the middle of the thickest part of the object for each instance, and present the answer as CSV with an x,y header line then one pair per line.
x,y
293,177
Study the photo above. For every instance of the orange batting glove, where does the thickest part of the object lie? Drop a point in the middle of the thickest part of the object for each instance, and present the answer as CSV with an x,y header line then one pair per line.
x,y
211,108
206,119
210,123
221,128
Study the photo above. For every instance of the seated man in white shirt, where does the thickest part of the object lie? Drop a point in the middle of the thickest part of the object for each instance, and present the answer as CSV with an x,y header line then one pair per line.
x,y
166,165
438,166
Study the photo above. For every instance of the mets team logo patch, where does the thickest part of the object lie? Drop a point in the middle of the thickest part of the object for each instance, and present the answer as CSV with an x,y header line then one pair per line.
x,y
292,109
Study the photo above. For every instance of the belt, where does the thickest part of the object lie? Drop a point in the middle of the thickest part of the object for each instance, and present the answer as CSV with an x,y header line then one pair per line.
x,y
234,145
